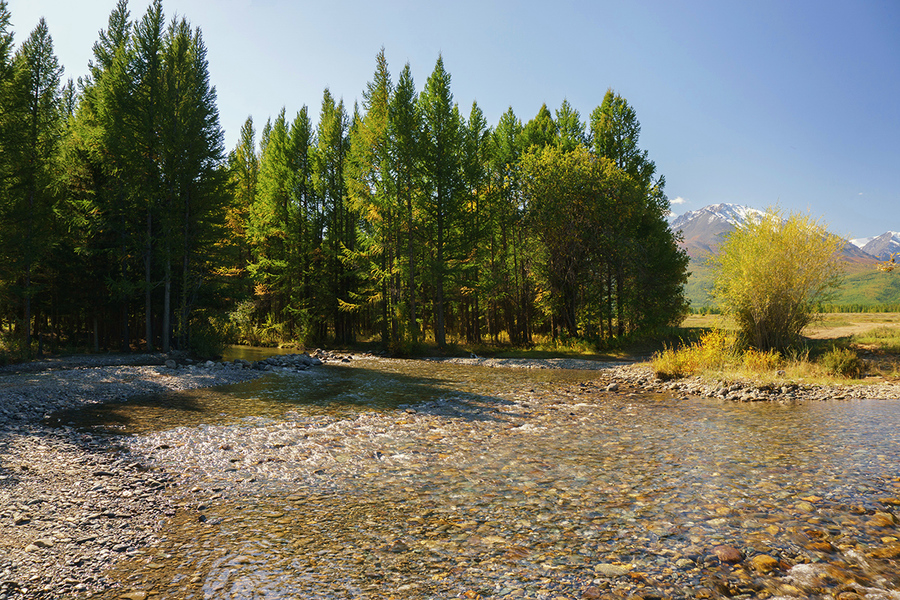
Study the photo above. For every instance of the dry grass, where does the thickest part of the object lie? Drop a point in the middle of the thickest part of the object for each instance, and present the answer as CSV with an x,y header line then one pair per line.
x,y
839,348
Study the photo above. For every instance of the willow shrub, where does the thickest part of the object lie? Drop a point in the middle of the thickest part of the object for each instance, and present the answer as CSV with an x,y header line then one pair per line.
x,y
715,350
843,362
772,273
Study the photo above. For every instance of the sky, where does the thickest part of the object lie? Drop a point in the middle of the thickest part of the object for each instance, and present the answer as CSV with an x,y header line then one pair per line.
x,y
785,103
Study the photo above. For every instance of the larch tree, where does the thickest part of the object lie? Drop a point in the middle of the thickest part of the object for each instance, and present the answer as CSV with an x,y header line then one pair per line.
x,y
404,134
370,186
33,120
193,173
441,170
339,218
474,252
243,169
145,104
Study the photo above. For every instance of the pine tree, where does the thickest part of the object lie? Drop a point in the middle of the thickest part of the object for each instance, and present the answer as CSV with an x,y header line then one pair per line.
x,y
270,222
474,225
305,233
243,168
509,283
193,174
570,130
404,134
33,119
95,170
144,108
339,219
541,130
370,185
441,170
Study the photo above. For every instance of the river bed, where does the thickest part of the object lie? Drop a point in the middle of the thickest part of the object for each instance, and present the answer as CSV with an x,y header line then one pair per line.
x,y
412,479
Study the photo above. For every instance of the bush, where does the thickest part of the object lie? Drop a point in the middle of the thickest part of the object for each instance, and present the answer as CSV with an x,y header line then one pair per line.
x,y
713,351
842,362
771,274
760,362
206,339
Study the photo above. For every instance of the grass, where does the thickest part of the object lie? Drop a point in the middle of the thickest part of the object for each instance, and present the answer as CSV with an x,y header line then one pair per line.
x,y
885,339
839,348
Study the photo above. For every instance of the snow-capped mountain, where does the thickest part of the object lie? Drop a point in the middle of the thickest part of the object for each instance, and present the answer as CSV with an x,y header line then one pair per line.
x,y
704,229
881,246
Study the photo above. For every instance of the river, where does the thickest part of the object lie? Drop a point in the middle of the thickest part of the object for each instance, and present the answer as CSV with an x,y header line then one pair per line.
x,y
419,479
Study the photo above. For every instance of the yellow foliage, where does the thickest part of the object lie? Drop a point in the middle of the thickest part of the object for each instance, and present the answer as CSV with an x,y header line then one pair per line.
x,y
713,351
759,361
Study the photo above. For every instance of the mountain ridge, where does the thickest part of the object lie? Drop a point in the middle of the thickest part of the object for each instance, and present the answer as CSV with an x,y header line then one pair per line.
x,y
704,230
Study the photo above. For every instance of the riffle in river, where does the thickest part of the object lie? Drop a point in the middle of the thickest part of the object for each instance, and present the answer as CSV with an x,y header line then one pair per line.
x,y
417,479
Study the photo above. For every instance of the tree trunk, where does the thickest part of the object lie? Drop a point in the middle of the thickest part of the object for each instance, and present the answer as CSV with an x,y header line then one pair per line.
x,y
148,299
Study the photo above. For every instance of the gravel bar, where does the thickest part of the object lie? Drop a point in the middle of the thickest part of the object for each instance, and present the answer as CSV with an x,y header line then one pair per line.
x,y
73,504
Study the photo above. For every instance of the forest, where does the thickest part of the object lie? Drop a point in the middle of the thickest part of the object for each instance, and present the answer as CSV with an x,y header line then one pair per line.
x,y
125,224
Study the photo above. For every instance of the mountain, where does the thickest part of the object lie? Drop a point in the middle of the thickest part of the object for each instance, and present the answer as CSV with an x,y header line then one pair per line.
x,y
705,229
880,247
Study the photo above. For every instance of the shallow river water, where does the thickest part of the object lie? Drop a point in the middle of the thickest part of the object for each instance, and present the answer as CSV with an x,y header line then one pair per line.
x,y
407,479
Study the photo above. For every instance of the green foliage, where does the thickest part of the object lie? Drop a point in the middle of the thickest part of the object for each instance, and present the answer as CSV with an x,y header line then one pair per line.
x,y
208,335
842,362
120,215
771,274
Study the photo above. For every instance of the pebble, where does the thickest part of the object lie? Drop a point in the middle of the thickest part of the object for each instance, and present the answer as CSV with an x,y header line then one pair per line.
x,y
434,513
80,503
764,563
728,554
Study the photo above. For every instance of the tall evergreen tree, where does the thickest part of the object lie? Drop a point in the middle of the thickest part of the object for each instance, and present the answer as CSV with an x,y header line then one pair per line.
x,y
441,170
541,130
243,168
340,220
404,133
33,119
371,185
509,283
96,175
307,230
570,129
144,125
270,221
193,174
474,226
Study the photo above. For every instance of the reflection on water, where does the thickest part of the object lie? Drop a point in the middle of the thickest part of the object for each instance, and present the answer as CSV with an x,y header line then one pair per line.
x,y
253,353
514,483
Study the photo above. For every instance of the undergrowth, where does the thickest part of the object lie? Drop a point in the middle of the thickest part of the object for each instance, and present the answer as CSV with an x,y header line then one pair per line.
x,y
718,353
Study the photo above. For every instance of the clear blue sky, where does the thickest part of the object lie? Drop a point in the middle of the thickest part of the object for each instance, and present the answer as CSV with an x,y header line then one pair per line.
x,y
755,103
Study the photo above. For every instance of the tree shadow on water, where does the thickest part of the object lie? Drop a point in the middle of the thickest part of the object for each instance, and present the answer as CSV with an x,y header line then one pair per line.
x,y
326,392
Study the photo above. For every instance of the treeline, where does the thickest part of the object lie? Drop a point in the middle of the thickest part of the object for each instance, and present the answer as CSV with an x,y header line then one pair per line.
x,y
123,222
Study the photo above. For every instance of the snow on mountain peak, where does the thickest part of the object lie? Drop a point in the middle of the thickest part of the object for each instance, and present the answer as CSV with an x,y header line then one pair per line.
x,y
732,214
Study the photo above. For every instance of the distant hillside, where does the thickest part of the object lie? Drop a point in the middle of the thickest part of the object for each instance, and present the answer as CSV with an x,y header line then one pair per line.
x,y
705,229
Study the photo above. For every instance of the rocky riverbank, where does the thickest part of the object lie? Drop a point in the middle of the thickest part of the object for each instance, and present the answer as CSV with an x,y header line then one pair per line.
x,y
641,377
72,504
